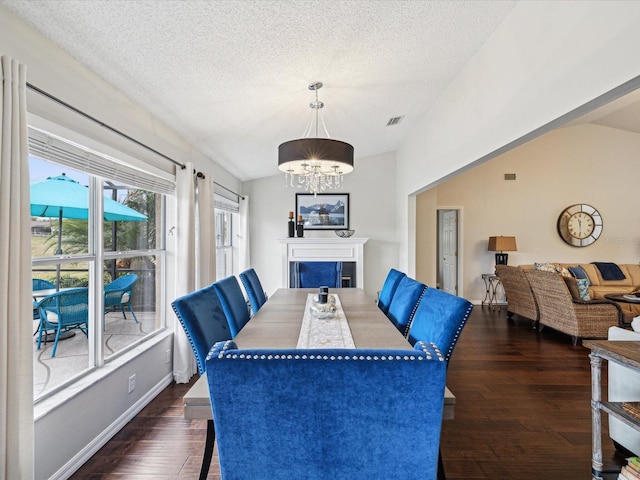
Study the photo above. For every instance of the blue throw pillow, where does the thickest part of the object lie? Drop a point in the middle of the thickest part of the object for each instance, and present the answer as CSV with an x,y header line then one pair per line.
x,y
578,272
583,288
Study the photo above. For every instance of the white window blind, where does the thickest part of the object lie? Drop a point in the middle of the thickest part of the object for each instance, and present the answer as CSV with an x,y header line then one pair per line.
x,y
47,146
223,203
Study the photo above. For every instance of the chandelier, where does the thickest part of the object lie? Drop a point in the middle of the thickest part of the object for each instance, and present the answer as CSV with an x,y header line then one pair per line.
x,y
317,164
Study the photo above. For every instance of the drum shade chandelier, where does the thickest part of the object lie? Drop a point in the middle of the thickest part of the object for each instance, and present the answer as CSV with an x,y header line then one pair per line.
x,y
315,163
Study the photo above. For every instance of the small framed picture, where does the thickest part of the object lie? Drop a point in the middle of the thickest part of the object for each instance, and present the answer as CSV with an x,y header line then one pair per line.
x,y
324,211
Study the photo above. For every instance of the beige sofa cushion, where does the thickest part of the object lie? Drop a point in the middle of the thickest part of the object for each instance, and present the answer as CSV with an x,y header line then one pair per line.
x,y
634,272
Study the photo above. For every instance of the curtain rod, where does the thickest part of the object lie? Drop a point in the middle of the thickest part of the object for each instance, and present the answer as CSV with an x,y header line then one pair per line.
x,y
116,131
102,124
229,190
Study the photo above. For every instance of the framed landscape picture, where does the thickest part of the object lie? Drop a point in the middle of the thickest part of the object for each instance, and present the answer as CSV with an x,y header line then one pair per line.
x,y
324,211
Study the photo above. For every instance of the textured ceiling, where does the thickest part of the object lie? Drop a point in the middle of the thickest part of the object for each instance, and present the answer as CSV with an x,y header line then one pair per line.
x,y
231,76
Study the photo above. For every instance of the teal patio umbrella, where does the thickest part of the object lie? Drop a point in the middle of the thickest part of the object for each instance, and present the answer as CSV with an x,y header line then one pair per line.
x,y
62,197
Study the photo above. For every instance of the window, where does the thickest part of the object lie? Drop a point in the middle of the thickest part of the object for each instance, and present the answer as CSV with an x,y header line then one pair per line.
x,y
227,218
120,259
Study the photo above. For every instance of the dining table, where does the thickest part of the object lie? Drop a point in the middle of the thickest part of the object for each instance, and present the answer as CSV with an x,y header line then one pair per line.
x,y
280,324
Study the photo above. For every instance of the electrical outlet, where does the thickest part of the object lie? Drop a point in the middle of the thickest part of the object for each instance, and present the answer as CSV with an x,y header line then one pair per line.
x,y
167,357
132,383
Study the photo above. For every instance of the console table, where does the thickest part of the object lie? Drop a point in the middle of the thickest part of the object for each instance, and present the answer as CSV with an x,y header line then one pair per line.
x,y
626,353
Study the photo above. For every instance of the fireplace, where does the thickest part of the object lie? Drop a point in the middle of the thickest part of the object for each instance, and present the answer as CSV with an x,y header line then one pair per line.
x,y
349,251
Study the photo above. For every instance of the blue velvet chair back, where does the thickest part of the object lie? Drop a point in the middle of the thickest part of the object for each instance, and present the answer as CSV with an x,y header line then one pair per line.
x,y
233,303
404,303
389,288
318,274
327,414
440,318
253,287
63,311
201,316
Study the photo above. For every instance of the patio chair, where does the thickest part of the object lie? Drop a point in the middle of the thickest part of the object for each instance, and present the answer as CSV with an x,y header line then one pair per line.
x,y
326,413
63,311
39,284
118,293
253,287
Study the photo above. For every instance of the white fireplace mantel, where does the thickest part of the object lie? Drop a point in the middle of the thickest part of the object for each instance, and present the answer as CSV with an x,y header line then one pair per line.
x,y
323,250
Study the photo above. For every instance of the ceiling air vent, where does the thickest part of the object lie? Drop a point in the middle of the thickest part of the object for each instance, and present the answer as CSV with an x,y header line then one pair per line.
x,y
509,176
394,120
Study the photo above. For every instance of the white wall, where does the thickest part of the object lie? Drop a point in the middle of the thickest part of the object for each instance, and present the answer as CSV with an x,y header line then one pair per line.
x,y
580,164
371,188
545,60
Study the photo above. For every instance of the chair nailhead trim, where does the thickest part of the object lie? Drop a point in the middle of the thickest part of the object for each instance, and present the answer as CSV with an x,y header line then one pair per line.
x,y
230,355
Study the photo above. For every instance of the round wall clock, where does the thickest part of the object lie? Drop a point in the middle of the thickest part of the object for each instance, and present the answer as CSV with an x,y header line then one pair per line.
x,y
580,225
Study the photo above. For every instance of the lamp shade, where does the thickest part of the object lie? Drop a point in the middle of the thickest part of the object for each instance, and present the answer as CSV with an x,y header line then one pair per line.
x,y
301,156
502,244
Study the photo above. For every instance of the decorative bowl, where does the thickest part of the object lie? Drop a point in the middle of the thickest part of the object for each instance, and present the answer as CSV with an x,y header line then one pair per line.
x,y
345,233
322,310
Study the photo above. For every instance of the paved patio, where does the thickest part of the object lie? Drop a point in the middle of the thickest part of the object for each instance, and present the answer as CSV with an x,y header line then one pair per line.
x,y
72,353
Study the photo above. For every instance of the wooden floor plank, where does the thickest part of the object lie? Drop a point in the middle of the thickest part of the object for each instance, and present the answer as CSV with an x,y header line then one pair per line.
x,y
522,412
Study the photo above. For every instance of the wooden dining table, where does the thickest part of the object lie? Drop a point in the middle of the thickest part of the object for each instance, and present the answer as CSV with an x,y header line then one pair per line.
x,y
277,326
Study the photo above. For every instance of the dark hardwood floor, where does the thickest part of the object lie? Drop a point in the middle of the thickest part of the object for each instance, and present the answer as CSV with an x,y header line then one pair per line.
x,y
522,412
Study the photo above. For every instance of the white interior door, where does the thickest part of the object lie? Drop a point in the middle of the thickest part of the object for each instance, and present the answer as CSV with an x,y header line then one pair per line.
x,y
449,251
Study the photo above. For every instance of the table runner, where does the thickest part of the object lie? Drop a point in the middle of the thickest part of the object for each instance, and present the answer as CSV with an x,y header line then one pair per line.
x,y
332,332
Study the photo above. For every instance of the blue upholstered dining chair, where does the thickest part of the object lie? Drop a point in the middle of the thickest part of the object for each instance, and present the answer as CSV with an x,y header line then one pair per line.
x,y
201,315
389,288
404,303
255,293
118,293
63,311
439,318
233,303
327,414
318,274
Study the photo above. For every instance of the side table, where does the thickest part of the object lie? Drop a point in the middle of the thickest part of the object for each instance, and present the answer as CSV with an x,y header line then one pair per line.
x,y
625,353
491,284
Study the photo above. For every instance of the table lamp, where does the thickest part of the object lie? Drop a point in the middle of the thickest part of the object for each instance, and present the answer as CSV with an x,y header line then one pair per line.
x,y
502,244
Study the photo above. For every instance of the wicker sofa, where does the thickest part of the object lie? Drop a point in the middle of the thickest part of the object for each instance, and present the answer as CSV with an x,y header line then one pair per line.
x,y
518,292
559,309
599,286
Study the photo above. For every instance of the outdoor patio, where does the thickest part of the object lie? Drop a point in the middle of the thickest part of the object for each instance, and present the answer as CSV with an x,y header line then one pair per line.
x,y
72,353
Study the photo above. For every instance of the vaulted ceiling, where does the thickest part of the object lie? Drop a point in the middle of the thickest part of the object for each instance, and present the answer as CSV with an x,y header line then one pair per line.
x,y
232,76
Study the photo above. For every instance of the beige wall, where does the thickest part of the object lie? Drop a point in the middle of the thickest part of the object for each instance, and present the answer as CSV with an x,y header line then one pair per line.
x,y
515,88
582,164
